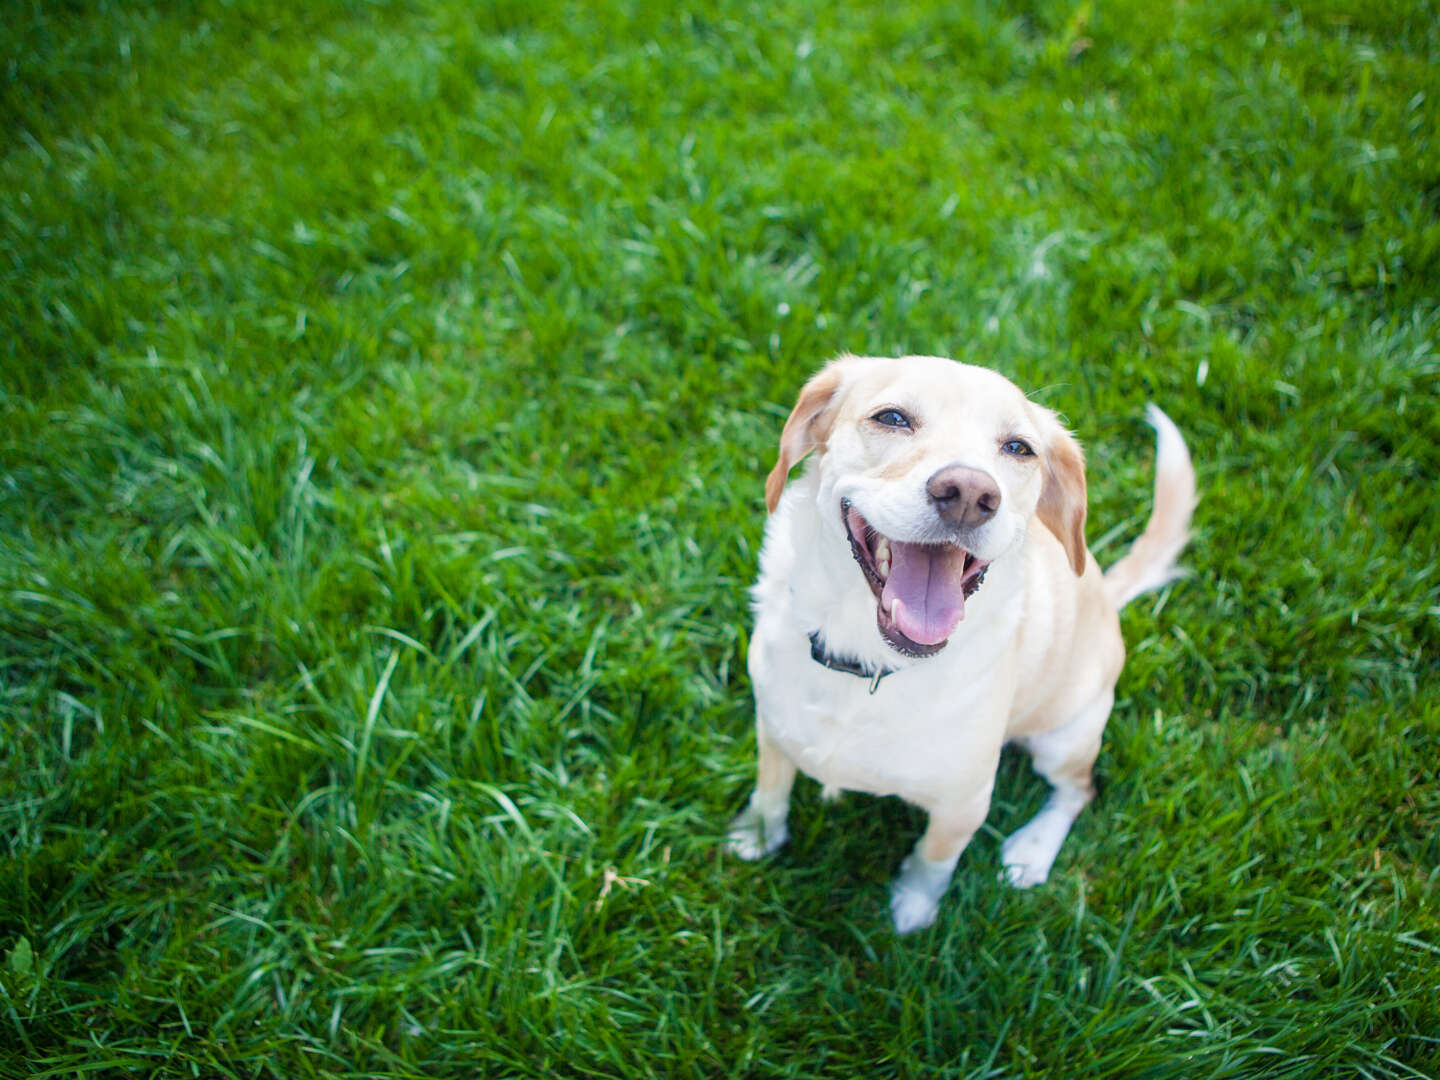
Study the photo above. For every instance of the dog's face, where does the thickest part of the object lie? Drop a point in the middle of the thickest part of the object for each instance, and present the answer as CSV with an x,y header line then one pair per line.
x,y
931,470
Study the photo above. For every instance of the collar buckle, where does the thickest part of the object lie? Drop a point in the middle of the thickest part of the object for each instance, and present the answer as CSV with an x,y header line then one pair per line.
x,y
846,664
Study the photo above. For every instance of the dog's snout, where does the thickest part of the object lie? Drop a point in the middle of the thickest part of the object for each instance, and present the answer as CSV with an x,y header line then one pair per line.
x,y
964,496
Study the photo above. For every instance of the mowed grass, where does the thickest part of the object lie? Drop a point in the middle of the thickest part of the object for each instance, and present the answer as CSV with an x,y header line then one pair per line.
x,y
387,392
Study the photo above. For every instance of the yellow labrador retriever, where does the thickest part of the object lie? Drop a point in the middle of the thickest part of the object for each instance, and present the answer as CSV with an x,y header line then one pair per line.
x,y
926,596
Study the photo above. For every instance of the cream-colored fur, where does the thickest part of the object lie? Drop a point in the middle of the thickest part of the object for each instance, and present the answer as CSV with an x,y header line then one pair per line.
x,y
1034,659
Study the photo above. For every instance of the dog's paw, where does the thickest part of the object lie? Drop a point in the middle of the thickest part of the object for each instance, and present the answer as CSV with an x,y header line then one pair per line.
x,y
1020,876
1028,854
915,896
912,909
751,838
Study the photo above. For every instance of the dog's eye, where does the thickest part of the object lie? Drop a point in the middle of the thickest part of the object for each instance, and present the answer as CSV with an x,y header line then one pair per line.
x,y
1018,448
892,418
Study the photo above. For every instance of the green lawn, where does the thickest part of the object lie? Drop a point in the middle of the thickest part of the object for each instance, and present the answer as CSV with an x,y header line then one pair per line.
x,y
386,391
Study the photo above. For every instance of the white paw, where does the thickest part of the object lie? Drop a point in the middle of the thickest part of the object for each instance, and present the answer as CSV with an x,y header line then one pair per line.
x,y
1020,876
751,838
915,896
912,909
1028,853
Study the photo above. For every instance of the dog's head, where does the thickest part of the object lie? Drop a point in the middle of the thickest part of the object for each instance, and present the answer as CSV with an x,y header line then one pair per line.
x,y
932,470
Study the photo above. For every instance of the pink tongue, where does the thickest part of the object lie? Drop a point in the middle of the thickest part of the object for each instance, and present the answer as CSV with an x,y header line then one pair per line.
x,y
926,580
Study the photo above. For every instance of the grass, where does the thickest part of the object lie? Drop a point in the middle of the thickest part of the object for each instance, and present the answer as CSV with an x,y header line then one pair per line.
x,y
386,391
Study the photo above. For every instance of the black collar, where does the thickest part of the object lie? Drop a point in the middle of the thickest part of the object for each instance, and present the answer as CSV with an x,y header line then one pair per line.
x,y
849,665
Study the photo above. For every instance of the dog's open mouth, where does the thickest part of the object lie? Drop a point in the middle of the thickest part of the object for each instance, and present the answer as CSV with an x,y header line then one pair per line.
x,y
920,589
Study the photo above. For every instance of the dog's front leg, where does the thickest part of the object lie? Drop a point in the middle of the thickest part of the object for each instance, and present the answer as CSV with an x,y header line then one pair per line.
x,y
925,872
761,827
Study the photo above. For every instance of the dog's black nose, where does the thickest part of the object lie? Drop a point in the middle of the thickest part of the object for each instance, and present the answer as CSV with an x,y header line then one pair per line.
x,y
964,496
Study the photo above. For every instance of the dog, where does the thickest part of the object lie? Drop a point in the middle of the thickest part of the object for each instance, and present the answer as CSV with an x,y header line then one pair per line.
x,y
926,596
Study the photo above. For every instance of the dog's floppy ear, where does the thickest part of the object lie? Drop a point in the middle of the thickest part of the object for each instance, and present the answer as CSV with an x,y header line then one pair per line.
x,y
808,427
1062,498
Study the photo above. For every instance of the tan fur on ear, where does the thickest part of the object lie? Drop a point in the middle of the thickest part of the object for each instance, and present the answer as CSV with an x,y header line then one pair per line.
x,y
807,428
1062,499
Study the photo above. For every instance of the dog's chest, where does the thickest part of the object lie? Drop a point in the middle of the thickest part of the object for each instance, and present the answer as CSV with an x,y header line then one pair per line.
x,y
911,738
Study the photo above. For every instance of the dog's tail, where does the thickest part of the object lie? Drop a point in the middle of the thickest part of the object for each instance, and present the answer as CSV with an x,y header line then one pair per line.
x,y
1150,562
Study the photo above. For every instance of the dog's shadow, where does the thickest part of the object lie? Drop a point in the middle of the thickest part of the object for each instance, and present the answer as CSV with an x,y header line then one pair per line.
x,y
844,852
